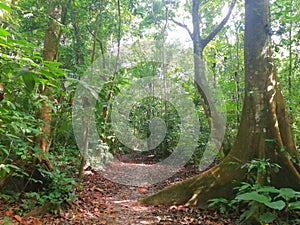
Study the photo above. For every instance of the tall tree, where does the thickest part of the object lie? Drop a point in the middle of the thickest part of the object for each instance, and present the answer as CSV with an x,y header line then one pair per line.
x,y
51,43
202,84
264,131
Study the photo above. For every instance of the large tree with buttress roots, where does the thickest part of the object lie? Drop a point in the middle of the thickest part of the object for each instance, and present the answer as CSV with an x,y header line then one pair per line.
x,y
264,132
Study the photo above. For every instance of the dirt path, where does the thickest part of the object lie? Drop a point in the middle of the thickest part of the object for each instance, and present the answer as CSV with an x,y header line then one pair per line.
x,y
101,201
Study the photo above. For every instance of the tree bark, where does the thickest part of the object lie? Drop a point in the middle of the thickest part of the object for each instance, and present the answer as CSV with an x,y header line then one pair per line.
x,y
215,120
1,91
264,118
51,42
78,40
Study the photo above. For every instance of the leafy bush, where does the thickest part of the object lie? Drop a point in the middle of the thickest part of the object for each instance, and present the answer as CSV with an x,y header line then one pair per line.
x,y
100,156
277,203
263,203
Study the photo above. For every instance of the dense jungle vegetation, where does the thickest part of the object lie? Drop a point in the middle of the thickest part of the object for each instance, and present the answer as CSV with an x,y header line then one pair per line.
x,y
88,86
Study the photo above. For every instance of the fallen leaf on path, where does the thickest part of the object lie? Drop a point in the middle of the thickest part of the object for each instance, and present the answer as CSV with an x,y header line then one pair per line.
x,y
35,221
110,211
9,212
18,218
141,189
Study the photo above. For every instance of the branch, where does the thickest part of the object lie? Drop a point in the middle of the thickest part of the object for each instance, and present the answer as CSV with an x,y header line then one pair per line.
x,y
183,26
219,27
89,30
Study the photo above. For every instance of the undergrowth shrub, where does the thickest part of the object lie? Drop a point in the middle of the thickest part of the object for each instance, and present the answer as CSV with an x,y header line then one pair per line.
x,y
263,204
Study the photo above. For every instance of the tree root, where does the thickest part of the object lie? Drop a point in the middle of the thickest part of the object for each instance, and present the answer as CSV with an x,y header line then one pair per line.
x,y
217,182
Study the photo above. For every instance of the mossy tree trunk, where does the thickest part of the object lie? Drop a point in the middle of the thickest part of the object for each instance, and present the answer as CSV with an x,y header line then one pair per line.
x,y
264,130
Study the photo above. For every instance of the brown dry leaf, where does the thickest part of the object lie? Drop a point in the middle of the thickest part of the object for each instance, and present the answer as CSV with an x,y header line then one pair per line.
x,y
18,218
109,211
95,188
9,212
141,189
35,221
99,190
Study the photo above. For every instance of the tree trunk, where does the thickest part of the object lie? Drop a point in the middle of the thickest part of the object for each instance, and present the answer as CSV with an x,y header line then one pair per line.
x,y
51,42
1,91
215,120
264,118
199,43
78,40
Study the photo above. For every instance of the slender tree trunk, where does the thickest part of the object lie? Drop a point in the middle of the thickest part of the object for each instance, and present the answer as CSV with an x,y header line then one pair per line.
x,y
214,118
60,98
264,118
290,46
51,42
113,79
1,91
78,41
93,56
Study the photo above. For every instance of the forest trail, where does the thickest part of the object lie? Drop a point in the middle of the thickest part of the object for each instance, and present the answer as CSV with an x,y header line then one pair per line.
x,y
101,201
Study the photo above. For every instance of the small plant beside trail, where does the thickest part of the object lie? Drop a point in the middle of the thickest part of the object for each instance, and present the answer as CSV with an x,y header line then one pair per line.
x,y
258,202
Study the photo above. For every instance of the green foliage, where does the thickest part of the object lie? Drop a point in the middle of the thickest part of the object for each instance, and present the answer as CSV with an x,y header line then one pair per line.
x,y
222,204
58,188
141,115
202,139
7,221
61,188
267,204
23,73
261,168
277,202
91,30
100,156
285,17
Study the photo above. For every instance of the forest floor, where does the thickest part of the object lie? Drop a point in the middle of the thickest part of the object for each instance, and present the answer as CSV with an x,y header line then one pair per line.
x,y
101,201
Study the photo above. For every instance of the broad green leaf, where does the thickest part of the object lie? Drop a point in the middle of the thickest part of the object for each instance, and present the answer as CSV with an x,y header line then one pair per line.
x,y
288,193
297,18
5,7
294,205
253,196
24,43
268,189
29,81
278,205
11,105
52,64
5,168
4,32
4,45
4,149
28,78
267,217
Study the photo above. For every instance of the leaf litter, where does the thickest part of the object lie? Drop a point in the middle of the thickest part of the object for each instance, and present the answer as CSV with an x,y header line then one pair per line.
x,y
101,201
